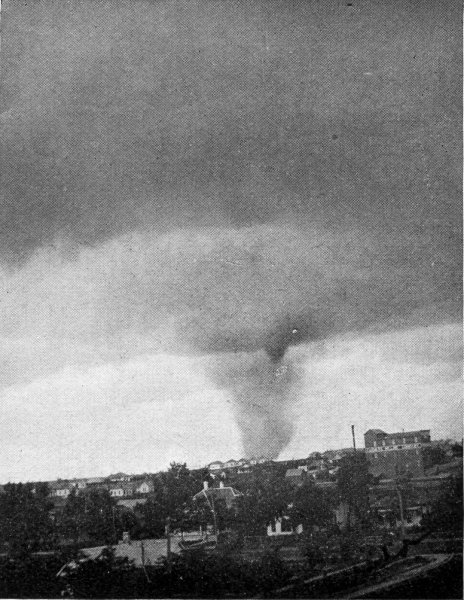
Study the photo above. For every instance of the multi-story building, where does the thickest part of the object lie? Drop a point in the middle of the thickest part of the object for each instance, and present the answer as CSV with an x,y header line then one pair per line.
x,y
393,454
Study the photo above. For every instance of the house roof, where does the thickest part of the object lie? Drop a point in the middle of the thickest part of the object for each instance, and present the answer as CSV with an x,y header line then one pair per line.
x,y
139,483
61,485
130,503
127,486
325,484
294,473
228,494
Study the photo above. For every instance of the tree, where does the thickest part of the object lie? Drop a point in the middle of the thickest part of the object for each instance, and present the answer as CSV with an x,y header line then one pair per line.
x,y
446,512
172,497
434,455
106,576
99,522
353,484
266,496
25,523
72,520
312,507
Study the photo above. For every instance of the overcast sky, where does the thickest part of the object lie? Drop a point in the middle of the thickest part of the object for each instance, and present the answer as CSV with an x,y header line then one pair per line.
x,y
226,228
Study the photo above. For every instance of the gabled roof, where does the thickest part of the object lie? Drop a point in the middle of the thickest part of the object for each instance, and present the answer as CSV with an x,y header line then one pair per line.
x,y
139,483
228,494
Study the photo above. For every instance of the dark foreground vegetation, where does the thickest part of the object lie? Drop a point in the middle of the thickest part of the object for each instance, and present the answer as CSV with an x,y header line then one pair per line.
x,y
193,576
214,576
40,555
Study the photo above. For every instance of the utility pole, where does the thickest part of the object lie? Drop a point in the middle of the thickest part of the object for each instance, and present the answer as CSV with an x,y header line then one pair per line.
x,y
214,515
354,439
400,502
168,544
114,525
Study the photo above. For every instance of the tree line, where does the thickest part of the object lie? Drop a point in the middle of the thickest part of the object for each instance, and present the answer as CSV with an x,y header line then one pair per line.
x,y
29,522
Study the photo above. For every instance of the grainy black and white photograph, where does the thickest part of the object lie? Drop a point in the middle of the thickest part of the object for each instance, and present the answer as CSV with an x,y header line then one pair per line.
x,y
231,299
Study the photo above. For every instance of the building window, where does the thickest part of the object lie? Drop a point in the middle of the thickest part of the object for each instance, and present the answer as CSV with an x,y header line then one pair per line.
x,y
415,439
376,455
375,443
404,440
383,442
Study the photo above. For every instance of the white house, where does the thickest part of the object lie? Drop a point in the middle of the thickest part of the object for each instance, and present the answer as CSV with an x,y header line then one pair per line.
x,y
282,526
80,484
120,477
216,466
144,488
61,489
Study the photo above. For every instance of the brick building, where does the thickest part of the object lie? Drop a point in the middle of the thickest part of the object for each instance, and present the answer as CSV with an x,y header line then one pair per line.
x,y
391,454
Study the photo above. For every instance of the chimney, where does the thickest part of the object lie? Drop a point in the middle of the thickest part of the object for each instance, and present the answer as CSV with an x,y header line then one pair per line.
x,y
205,485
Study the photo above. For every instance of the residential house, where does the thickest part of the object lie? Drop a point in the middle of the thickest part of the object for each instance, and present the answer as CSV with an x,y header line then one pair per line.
x,y
93,482
124,488
230,464
145,487
246,468
119,477
295,476
226,493
216,466
80,484
60,489
130,503
282,526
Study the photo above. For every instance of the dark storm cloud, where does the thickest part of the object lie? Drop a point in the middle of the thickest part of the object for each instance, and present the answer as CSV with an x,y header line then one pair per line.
x,y
118,115
314,136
